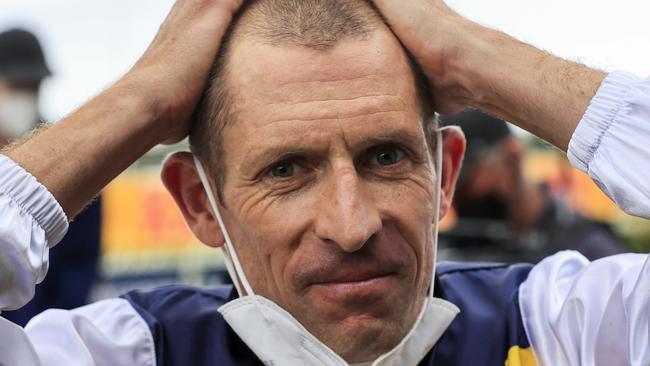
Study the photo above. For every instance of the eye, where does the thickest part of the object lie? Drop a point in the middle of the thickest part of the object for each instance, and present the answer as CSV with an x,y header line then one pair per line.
x,y
283,170
387,156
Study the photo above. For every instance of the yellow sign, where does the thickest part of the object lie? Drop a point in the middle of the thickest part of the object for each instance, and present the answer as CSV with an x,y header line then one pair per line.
x,y
141,216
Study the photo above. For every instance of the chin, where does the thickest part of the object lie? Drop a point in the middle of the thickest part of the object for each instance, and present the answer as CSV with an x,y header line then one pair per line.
x,y
360,321
361,338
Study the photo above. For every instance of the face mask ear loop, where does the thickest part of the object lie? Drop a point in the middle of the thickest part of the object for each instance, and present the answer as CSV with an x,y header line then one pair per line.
x,y
235,267
232,272
438,194
241,280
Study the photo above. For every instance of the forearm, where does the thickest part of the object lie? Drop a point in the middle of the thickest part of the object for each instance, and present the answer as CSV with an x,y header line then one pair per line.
x,y
522,84
78,156
471,65
151,104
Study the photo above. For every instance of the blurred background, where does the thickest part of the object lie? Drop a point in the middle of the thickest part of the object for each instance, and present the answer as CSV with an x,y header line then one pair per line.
x,y
144,242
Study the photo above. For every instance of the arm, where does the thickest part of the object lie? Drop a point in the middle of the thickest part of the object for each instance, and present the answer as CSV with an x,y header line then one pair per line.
x,y
151,104
471,65
603,123
65,166
30,218
109,332
611,142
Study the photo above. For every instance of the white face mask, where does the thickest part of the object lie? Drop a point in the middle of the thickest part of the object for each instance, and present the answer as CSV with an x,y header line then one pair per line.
x,y
18,113
277,338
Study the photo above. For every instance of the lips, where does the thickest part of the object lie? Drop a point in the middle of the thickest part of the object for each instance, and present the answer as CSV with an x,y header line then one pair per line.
x,y
368,274
355,285
353,275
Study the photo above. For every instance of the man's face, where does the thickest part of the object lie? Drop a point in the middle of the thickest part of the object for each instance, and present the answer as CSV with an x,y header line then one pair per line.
x,y
329,188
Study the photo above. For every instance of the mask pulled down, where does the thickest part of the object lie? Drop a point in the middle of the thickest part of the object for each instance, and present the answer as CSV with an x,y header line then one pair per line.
x,y
277,338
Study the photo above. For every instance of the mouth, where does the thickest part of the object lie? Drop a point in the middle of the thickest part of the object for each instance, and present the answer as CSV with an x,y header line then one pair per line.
x,y
356,287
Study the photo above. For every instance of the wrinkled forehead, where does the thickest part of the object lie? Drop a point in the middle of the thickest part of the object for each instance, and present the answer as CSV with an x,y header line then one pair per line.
x,y
272,83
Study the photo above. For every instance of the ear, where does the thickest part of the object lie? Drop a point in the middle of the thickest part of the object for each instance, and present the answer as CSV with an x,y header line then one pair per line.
x,y
181,179
453,151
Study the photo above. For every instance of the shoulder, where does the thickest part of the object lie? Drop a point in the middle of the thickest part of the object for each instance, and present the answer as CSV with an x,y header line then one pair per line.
x,y
489,322
179,304
92,334
187,328
481,277
581,312
570,274
179,295
478,288
445,268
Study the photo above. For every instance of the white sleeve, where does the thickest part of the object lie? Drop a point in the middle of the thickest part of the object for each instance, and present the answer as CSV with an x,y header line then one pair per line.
x,y
107,333
595,314
612,142
31,221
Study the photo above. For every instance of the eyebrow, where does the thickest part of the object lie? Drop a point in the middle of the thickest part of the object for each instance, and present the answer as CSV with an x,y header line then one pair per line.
x,y
400,135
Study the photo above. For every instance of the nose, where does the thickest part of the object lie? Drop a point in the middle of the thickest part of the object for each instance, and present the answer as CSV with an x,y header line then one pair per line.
x,y
347,214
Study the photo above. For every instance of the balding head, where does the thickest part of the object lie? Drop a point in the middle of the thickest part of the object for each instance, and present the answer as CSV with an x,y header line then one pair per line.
x,y
313,24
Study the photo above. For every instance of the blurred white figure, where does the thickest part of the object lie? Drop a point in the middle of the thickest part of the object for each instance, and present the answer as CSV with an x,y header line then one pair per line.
x,y
22,70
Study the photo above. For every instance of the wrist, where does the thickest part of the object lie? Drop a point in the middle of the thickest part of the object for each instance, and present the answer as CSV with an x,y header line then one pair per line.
x,y
537,91
152,116
466,55
478,57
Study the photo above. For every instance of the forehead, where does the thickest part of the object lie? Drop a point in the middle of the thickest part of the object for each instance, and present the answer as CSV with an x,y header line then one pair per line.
x,y
279,89
265,73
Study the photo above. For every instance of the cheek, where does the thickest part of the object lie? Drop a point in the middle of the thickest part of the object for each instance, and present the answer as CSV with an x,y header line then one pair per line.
x,y
269,234
412,201
410,206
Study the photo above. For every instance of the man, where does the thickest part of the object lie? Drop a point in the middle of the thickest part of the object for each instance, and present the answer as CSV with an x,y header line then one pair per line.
x,y
327,189
504,217
22,71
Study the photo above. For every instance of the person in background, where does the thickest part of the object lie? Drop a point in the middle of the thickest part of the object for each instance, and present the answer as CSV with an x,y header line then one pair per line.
x,y
22,71
504,217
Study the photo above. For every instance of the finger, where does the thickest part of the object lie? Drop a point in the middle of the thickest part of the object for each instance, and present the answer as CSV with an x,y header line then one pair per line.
x,y
206,19
406,15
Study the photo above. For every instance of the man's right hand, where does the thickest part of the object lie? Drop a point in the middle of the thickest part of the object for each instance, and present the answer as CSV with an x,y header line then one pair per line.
x,y
151,104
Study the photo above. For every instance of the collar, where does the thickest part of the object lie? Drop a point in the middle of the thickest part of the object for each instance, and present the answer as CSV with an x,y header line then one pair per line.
x,y
277,338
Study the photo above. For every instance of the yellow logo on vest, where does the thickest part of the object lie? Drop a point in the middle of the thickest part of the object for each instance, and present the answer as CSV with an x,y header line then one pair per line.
x,y
520,357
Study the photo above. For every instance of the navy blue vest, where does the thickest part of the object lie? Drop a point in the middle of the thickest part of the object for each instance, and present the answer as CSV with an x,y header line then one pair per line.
x,y
188,330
